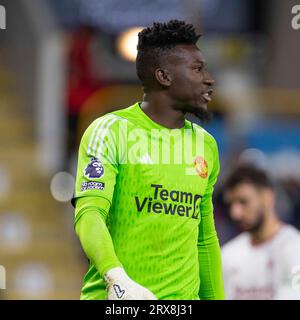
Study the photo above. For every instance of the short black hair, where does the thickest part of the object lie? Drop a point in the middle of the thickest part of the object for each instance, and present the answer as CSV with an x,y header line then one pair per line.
x,y
156,41
247,174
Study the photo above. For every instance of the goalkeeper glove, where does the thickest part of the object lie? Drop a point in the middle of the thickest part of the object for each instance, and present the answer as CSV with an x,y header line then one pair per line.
x,y
121,287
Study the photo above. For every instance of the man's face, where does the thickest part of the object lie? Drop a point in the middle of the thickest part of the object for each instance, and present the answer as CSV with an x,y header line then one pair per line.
x,y
191,85
247,206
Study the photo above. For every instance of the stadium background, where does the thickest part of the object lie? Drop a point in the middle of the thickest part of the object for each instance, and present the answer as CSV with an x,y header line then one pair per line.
x,y
61,66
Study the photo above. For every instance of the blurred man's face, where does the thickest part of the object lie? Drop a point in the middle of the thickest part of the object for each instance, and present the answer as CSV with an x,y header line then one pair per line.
x,y
247,206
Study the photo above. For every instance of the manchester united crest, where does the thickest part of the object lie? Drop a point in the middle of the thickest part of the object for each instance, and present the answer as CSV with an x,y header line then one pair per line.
x,y
201,167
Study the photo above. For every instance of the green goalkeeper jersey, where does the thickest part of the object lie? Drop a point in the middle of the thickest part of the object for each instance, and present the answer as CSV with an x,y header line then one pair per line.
x,y
155,186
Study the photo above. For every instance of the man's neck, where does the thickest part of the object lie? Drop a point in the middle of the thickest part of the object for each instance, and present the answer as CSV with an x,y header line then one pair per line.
x,y
267,231
158,108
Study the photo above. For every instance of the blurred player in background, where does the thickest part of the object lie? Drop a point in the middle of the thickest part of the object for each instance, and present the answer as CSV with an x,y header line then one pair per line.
x,y
262,262
84,78
146,226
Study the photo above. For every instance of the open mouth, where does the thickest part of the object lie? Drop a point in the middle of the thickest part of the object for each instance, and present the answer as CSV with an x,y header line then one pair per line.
x,y
207,95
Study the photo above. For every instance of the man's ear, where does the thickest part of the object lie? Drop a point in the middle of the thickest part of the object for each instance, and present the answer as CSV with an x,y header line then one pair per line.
x,y
163,77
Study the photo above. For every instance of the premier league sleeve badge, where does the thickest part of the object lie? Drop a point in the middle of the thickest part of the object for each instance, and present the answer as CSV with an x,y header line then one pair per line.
x,y
94,169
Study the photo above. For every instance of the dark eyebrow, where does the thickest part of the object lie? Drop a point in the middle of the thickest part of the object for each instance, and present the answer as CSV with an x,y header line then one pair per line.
x,y
203,62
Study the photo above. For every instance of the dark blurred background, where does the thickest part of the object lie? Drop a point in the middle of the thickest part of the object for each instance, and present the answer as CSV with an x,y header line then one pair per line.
x,y
65,62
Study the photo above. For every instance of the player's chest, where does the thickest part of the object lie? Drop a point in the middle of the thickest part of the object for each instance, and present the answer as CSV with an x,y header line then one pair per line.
x,y
163,147
254,266
178,161
164,181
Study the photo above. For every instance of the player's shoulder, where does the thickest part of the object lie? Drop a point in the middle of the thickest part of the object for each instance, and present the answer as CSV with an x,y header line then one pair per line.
x,y
235,244
199,129
113,117
208,137
108,121
125,113
290,234
287,245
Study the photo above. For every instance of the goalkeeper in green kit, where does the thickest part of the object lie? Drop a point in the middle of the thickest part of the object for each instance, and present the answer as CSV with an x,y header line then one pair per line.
x,y
145,179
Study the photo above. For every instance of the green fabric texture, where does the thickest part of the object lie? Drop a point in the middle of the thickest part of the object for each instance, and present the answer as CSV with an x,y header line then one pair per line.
x,y
211,280
147,209
94,235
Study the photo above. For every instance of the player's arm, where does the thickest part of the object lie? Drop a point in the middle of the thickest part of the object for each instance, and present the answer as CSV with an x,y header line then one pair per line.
x,y
92,230
98,246
209,253
96,178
